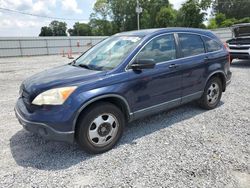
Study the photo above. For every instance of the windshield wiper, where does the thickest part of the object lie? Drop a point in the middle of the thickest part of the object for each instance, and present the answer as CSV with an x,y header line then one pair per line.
x,y
84,66
72,63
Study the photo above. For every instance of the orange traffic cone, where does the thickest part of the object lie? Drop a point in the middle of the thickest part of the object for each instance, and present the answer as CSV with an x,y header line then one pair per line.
x,y
70,54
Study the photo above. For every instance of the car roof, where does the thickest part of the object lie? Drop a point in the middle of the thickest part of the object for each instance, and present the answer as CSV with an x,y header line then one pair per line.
x,y
145,32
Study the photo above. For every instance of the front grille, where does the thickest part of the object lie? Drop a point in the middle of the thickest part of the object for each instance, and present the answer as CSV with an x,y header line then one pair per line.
x,y
241,53
239,48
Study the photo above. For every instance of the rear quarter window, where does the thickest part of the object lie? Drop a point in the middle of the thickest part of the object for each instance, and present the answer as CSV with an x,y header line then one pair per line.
x,y
211,44
191,44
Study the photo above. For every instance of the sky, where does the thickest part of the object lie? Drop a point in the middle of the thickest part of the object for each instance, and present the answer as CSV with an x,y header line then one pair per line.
x,y
14,24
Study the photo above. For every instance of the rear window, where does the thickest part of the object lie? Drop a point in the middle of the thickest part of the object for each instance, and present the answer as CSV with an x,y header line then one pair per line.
x,y
211,45
191,44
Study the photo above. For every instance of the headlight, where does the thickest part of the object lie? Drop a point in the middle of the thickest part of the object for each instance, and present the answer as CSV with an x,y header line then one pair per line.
x,y
55,96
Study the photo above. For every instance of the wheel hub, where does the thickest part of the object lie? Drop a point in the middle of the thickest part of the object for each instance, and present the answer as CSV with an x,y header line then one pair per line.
x,y
213,93
104,129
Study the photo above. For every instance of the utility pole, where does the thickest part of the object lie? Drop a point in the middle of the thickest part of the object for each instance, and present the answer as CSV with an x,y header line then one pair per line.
x,y
138,10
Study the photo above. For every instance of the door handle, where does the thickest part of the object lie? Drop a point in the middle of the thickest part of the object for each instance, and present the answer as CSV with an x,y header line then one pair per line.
x,y
173,66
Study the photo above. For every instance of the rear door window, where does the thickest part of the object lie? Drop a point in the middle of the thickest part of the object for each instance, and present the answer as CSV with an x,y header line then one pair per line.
x,y
191,44
211,44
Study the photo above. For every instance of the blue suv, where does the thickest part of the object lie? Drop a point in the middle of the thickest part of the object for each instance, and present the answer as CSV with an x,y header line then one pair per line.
x,y
125,77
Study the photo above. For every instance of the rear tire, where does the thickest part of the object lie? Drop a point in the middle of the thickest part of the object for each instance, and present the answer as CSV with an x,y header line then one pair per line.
x,y
100,127
212,94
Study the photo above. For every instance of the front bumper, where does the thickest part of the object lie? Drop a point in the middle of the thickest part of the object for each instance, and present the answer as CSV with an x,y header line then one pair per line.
x,y
44,130
239,51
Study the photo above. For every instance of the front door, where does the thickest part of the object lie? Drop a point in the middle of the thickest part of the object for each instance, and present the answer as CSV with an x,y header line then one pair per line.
x,y
152,90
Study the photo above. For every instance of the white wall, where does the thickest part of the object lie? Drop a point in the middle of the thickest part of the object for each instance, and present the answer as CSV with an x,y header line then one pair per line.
x,y
223,33
31,46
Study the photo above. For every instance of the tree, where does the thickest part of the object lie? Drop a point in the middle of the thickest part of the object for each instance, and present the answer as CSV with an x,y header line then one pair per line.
x,y
166,17
55,28
154,8
102,9
125,18
220,21
80,29
228,22
101,27
123,14
192,13
220,18
58,28
99,22
243,20
144,17
46,31
232,8
212,24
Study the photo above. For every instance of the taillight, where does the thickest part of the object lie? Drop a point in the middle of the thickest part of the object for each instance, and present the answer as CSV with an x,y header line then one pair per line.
x,y
227,48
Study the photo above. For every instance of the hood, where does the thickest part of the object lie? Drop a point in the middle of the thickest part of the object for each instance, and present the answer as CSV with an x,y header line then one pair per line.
x,y
58,77
239,41
242,30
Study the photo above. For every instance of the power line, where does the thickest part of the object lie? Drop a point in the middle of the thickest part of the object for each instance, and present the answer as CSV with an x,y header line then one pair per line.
x,y
224,2
40,16
71,19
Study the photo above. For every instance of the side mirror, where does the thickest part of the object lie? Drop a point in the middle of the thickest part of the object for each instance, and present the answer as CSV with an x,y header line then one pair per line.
x,y
143,64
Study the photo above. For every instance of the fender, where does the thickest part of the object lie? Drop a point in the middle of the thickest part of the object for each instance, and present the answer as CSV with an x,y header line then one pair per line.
x,y
216,72
96,99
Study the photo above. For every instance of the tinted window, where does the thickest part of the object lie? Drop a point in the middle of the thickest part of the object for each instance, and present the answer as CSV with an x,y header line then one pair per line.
x,y
211,44
191,44
160,49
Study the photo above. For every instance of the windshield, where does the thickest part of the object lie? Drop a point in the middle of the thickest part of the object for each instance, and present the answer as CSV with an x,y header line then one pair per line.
x,y
109,53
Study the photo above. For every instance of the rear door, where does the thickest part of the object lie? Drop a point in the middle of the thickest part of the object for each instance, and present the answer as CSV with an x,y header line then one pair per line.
x,y
193,59
217,57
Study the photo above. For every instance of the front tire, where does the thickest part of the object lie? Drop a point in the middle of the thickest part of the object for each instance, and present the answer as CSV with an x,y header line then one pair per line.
x,y
212,94
100,127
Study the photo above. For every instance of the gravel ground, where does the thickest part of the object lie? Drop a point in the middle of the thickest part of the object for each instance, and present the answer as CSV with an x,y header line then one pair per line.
x,y
184,147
